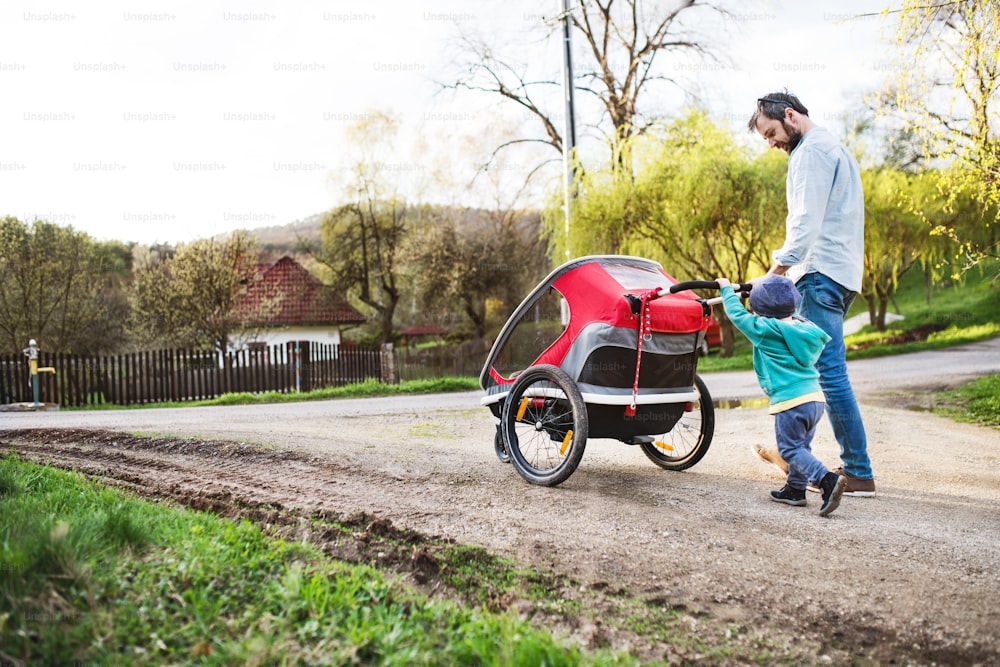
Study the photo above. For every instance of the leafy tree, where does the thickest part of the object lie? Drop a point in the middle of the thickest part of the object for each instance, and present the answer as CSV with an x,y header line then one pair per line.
x,y
947,90
961,213
895,234
465,259
60,287
363,241
191,297
115,261
903,200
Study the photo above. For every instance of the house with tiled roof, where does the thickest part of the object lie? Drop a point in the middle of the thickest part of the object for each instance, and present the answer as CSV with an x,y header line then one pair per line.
x,y
286,303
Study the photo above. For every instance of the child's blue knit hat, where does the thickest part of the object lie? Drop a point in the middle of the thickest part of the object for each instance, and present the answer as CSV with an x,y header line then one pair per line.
x,y
774,296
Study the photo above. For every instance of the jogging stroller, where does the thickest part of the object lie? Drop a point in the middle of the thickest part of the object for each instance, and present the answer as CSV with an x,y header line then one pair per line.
x,y
622,365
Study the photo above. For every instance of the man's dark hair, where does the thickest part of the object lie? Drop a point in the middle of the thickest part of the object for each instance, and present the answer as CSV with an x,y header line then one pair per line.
x,y
773,106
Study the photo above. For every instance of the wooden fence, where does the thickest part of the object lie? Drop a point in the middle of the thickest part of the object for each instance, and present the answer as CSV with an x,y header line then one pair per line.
x,y
186,375
465,359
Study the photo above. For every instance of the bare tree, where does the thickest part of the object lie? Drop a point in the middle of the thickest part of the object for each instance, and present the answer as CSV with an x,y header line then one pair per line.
x,y
361,247
625,46
468,264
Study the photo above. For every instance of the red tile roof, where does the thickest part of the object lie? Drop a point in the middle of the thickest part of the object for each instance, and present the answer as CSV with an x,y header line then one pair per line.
x,y
285,293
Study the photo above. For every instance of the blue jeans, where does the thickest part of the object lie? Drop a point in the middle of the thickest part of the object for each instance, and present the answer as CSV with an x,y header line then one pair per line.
x,y
793,431
825,303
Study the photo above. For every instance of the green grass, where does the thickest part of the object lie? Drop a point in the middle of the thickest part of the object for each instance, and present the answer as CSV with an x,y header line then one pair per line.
x,y
742,359
977,402
944,315
91,575
368,389
95,576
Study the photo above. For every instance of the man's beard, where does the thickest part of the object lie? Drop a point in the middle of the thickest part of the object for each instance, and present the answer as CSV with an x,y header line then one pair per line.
x,y
794,137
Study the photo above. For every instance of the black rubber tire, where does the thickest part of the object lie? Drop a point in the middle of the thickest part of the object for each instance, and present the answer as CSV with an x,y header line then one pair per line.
x,y
547,442
689,439
499,448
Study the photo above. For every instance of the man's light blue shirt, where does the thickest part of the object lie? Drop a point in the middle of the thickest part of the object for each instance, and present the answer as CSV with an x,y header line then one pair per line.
x,y
825,227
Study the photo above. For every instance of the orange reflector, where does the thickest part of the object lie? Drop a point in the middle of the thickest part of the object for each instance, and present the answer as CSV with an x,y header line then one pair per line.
x,y
565,442
663,445
521,409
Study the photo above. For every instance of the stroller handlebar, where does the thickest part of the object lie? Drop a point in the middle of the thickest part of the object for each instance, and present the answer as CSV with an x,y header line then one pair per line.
x,y
702,284
635,303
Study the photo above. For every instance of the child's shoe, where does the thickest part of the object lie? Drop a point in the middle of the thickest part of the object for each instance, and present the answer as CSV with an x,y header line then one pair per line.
x,y
789,496
832,487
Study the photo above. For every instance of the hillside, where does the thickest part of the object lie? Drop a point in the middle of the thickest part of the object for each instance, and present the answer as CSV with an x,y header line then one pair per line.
x,y
278,240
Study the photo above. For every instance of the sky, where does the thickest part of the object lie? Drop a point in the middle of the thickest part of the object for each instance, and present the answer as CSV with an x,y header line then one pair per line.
x,y
172,121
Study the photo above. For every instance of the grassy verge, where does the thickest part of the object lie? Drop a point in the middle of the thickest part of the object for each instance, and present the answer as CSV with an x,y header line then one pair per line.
x,y
934,317
368,389
977,402
95,576
91,575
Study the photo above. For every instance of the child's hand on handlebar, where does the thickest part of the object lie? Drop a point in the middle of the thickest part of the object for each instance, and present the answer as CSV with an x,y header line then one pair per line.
x,y
722,282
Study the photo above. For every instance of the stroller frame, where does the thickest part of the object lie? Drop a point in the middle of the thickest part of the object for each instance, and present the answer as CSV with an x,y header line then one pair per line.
x,y
623,366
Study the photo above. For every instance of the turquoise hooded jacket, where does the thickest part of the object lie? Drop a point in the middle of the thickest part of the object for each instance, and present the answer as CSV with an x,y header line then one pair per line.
x,y
784,351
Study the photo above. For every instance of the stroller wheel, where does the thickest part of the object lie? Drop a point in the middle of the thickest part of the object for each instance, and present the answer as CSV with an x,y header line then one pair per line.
x,y
544,425
499,447
688,441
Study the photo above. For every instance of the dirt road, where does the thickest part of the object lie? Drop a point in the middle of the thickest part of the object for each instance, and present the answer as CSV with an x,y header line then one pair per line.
x,y
908,577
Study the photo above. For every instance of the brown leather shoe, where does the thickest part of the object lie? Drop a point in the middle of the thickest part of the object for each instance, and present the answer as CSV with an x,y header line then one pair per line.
x,y
859,488
770,455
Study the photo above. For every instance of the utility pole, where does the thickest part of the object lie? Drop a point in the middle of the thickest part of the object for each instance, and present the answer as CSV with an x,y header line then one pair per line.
x,y
569,132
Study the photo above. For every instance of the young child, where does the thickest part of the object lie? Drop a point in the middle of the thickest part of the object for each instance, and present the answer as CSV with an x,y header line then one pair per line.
x,y
785,350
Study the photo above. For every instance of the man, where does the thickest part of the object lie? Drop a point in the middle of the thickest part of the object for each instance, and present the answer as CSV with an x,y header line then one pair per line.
x,y
823,253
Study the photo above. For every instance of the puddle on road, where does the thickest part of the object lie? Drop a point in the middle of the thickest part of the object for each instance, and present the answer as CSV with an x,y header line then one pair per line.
x,y
737,403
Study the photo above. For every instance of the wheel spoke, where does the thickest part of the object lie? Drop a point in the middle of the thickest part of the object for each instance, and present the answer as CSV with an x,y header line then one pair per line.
x,y
686,443
545,425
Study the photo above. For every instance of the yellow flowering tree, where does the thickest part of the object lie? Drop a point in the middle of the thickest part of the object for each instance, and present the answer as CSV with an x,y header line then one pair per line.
x,y
946,89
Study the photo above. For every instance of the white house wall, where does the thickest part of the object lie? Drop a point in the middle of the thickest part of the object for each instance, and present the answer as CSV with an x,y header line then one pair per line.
x,y
323,335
